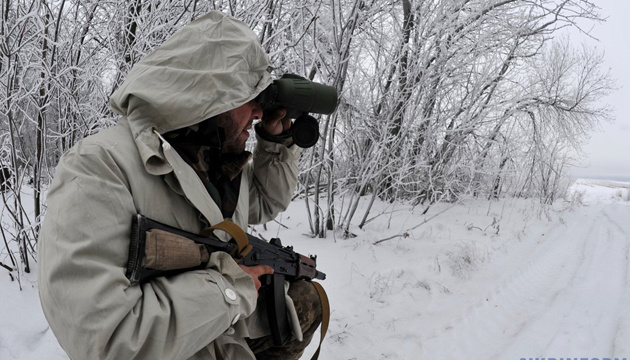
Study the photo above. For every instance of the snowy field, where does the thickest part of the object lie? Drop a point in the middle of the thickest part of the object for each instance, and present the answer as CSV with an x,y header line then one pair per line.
x,y
506,279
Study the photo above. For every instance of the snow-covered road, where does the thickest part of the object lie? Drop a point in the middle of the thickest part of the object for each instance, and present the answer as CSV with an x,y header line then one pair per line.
x,y
563,295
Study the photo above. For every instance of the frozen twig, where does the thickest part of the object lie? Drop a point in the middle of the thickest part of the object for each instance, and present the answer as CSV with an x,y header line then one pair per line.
x,y
406,233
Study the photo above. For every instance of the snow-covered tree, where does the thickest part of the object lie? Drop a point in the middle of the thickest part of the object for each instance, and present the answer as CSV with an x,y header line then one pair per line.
x,y
437,98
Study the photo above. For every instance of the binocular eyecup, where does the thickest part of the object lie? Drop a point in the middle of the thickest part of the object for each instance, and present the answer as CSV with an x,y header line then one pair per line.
x,y
299,97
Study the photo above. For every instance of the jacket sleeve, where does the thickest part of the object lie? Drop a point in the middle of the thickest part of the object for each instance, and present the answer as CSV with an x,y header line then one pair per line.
x,y
275,171
93,310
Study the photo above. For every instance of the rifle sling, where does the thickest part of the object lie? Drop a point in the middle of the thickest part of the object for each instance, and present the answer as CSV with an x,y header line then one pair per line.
x,y
238,234
323,299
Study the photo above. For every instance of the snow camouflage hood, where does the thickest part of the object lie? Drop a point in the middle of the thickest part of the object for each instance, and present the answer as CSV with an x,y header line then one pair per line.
x,y
210,66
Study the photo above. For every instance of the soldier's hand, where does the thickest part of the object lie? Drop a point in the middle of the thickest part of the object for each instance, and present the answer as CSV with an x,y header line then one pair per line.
x,y
257,271
277,122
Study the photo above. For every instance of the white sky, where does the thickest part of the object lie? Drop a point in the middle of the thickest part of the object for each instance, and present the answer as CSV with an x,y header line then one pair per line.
x,y
608,151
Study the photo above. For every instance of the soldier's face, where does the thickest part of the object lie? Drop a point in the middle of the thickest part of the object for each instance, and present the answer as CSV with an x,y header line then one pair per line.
x,y
236,124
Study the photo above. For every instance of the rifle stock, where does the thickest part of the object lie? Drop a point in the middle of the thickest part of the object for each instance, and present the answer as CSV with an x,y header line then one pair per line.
x,y
141,227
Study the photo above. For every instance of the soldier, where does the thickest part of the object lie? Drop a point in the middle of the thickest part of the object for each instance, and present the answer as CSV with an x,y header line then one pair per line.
x,y
177,155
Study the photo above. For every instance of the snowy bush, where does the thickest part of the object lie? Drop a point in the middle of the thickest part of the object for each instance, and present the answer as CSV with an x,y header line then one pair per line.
x,y
466,258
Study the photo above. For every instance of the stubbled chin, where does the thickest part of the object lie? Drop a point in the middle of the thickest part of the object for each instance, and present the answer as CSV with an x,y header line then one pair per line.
x,y
236,145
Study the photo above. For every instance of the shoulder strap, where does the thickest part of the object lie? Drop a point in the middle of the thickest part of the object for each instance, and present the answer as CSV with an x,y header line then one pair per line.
x,y
323,298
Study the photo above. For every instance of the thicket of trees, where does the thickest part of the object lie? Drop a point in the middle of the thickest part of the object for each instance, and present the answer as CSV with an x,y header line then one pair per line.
x,y
438,98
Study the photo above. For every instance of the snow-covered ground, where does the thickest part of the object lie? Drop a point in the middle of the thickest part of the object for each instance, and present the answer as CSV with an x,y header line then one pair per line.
x,y
506,279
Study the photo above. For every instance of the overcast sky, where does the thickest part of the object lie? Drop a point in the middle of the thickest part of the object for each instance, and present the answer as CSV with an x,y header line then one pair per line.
x,y
608,151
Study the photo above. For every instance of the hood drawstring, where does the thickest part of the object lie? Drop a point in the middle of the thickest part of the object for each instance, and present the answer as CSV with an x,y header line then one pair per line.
x,y
165,145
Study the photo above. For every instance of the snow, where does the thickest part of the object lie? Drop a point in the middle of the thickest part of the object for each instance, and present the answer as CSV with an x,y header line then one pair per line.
x,y
503,279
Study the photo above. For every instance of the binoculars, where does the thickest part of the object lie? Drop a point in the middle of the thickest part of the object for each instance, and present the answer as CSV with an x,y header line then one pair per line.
x,y
299,97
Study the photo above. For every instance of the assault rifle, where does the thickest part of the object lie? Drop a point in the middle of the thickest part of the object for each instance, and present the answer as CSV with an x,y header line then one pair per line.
x,y
158,249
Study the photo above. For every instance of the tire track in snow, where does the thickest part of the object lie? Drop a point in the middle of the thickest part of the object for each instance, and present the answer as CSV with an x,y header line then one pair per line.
x,y
622,332
546,305
505,312
591,299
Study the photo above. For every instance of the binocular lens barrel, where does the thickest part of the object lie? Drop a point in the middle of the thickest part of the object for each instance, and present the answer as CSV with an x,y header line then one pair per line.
x,y
305,96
